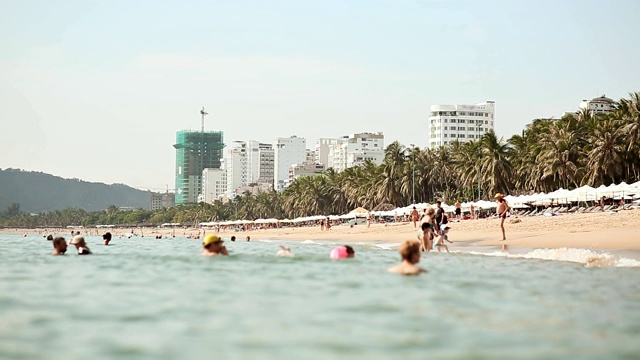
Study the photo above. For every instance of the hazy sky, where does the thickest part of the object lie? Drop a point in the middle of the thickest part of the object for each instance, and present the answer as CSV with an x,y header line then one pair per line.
x,y
97,89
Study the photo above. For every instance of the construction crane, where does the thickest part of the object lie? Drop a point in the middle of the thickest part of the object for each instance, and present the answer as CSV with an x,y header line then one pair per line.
x,y
203,113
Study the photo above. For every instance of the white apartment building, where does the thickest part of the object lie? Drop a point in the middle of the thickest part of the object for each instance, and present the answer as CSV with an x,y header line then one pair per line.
x,y
598,105
287,151
448,123
323,145
235,162
214,185
354,150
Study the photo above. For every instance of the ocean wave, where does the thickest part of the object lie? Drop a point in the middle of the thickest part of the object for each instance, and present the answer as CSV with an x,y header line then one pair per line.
x,y
308,242
386,246
587,257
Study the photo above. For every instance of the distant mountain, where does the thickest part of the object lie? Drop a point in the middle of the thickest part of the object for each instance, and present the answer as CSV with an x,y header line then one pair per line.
x,y
37,192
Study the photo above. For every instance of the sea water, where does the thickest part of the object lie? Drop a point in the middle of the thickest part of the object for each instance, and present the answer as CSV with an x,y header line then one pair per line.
x,y
143,298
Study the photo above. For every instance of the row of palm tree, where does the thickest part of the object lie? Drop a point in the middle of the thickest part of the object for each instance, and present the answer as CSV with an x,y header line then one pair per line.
x,y
577,149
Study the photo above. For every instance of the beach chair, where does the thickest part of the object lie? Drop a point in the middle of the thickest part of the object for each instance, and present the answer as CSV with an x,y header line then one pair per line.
x,y
526,213
572,210
589,209
533,212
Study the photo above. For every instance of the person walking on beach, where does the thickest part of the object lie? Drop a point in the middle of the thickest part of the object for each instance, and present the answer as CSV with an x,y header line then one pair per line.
x,y
369,219
472,212
410,253
502,209
441,217
414,216
458,210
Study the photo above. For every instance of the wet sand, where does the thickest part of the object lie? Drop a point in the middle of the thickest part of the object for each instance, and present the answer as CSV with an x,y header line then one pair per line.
x,y
590,231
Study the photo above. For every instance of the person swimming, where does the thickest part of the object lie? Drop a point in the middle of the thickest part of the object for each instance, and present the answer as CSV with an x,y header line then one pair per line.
x,y
106,238
59,246
410,253
50,238
233,238
342,252
213,246
80,244
284,251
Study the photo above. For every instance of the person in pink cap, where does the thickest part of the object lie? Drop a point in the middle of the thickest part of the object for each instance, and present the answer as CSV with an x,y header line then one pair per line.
x,y
342,252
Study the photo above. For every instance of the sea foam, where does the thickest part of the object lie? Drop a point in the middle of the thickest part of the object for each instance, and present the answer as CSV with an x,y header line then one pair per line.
x,y
587,257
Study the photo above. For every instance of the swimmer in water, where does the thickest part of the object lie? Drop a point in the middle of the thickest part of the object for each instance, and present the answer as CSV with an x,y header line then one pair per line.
x,y
342,252
59,246
80,244
284,251
106,238
213,246
233,238
50,237
410,252
248,238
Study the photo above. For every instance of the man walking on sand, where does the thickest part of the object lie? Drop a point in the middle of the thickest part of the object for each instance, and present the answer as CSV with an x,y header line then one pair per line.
x,y
502,209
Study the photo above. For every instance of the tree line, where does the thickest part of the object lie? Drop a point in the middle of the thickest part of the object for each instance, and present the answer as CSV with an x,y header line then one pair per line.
x,y
577,149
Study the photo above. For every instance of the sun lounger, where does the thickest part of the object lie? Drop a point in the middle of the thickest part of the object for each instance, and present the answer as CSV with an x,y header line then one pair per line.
x,y
581,210
572,210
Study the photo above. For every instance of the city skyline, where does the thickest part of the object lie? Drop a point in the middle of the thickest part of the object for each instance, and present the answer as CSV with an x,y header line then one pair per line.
x,y
84,98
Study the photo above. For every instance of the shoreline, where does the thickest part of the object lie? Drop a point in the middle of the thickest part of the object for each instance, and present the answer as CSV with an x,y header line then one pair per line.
x,y
603,231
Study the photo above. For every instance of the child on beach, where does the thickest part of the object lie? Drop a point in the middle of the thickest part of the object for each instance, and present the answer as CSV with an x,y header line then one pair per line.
x,y
410,253
444,230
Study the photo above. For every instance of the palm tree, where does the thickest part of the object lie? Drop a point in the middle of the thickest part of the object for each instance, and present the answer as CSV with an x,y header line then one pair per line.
x,y
494,163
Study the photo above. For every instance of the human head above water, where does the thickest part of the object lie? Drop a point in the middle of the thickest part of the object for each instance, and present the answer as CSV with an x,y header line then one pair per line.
x,y
342,252
106,238
212,241
233,238
410,251
60,245
78,241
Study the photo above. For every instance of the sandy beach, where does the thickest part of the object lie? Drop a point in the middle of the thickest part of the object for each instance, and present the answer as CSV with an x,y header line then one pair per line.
x,y
590,231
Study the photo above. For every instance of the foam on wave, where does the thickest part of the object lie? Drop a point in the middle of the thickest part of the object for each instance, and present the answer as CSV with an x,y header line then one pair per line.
x,y
587,257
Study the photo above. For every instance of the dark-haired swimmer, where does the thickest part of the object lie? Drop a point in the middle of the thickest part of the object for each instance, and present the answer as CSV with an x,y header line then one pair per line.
x,y
59,246
106,238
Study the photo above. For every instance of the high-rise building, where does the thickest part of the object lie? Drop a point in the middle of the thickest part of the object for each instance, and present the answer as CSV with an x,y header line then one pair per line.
x,y
323,145
462,123
598,105
354,150
214,185
162,200
266,164
237,167
195,151
287,151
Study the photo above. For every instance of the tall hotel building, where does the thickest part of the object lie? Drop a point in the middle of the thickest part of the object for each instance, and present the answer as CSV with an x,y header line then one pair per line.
x,y
287,151
448,123
195,151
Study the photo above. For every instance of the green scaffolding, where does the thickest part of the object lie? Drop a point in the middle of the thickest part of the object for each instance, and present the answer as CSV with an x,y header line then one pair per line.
x,y
195,151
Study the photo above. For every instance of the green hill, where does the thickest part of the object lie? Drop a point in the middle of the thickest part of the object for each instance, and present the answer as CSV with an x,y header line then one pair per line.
x,y
37,192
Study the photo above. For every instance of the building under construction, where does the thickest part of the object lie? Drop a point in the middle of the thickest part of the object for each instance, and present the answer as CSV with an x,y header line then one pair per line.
x,y
195,151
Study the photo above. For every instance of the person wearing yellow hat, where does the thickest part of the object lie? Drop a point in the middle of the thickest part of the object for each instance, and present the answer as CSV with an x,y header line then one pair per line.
x,y
502,209
213,246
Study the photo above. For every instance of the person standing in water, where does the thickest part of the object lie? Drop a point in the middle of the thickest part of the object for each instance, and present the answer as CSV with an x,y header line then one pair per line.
x,y
213,246
80,245
410,253
502,209
59,246
106,238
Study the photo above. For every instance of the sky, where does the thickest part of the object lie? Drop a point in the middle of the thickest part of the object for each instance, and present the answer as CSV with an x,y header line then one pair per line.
x,y
96,90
